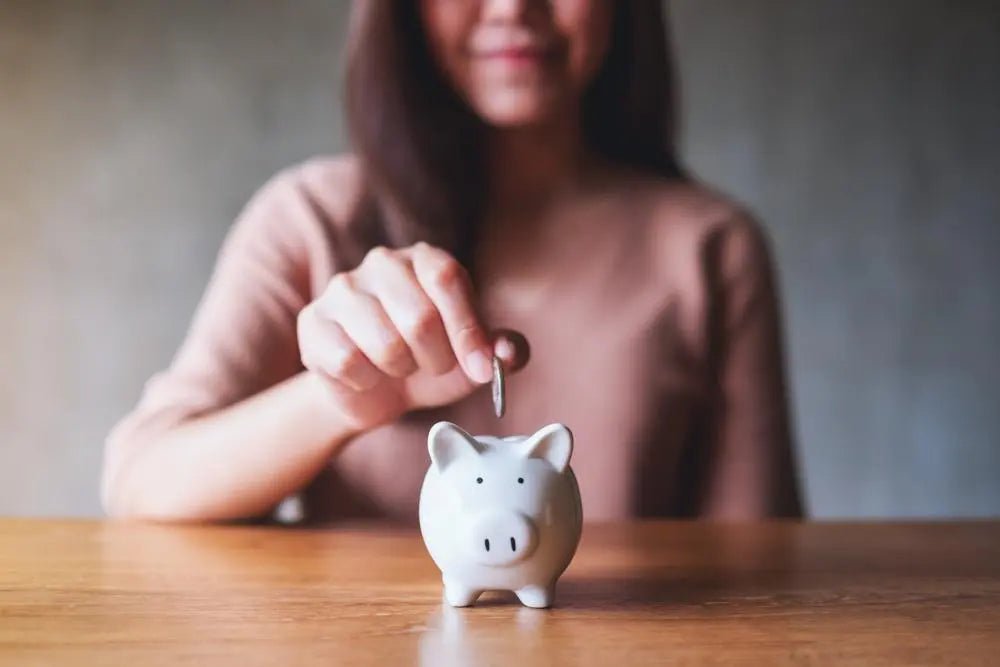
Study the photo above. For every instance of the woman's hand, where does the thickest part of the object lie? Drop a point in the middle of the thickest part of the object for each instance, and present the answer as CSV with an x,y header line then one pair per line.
x,y
400,332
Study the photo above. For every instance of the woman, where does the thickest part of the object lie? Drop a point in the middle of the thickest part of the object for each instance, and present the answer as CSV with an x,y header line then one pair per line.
x,y
513,167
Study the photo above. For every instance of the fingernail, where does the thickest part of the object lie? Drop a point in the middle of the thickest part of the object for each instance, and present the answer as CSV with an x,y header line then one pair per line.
x,y
479,366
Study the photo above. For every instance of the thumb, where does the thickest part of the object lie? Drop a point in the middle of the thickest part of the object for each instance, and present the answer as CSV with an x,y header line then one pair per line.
x,y
422,390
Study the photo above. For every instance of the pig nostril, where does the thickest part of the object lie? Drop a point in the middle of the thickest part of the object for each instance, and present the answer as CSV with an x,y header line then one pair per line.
x,y
487,545
513,544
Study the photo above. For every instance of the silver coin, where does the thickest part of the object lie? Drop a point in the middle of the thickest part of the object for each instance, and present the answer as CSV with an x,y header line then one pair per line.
x,y
499,389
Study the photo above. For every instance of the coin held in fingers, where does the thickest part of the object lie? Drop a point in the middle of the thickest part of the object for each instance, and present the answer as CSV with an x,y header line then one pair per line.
x,y
499,389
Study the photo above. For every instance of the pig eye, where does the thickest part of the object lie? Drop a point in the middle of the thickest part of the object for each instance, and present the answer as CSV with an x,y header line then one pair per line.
x,y
479,480
520,480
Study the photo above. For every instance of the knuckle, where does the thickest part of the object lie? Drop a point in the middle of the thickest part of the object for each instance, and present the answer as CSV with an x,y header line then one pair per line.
x,y
423,324
446,273
302,319
394,352
339,283
430,255
344,361
378,255
339,293
304,325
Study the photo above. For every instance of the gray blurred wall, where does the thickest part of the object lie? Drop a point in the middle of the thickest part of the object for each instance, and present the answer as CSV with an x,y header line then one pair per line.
x,y
864,134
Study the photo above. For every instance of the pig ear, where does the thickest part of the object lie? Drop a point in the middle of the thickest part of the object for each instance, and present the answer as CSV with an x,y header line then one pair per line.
x,y
447,442
554,443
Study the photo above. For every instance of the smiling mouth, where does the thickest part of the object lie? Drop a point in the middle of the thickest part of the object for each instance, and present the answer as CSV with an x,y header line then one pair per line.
x,y
515,53
517,59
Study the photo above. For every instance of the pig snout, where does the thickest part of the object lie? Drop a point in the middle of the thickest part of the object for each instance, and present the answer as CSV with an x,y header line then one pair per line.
x,y
501,538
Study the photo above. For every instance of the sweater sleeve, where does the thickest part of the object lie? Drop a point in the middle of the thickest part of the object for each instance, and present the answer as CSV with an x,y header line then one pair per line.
x,y
749,471
242,339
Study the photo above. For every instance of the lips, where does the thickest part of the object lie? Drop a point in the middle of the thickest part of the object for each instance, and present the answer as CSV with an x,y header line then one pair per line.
x,y
517,47
514,53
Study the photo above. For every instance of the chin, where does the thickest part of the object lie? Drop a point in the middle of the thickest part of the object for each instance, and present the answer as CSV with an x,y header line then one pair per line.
x,y
516,110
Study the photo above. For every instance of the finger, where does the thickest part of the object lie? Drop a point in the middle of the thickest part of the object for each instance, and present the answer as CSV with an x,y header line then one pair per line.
x,y
366,323
339,359
391,278
338,389
447,284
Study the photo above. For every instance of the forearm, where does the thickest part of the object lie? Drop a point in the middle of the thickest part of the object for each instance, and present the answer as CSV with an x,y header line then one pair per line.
x,y
740,486
235,463
752,471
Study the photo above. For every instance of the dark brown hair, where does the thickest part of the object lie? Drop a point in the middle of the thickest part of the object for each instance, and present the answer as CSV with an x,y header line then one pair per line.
x,y
420,146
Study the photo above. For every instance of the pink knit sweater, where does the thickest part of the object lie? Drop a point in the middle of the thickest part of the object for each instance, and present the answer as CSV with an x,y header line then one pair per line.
x,y
657,342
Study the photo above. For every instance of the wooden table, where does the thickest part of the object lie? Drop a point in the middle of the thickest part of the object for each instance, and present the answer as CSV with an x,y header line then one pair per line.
x,y
641,593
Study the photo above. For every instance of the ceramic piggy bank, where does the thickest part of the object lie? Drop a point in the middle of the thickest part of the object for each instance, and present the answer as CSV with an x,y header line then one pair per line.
x,y
500,513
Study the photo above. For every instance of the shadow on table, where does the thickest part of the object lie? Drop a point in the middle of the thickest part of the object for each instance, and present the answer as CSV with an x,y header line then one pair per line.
x,y
498,629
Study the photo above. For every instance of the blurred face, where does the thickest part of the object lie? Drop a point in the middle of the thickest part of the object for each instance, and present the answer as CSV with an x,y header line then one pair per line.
x,y
518,62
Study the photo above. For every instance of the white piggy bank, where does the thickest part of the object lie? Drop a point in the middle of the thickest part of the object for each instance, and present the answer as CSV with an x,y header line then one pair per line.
x,y
500,513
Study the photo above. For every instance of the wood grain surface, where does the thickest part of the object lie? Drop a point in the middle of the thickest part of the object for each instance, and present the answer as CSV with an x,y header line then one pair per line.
x,y
638,593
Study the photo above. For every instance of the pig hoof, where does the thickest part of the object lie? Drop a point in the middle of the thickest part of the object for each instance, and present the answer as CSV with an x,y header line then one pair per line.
x,y
459,596
538,597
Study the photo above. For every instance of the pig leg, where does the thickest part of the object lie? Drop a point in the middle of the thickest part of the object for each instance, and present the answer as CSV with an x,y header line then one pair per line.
x,y
459,595
538,597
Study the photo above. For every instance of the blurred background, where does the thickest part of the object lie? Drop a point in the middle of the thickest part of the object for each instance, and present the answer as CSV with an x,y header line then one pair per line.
x,y
864,134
